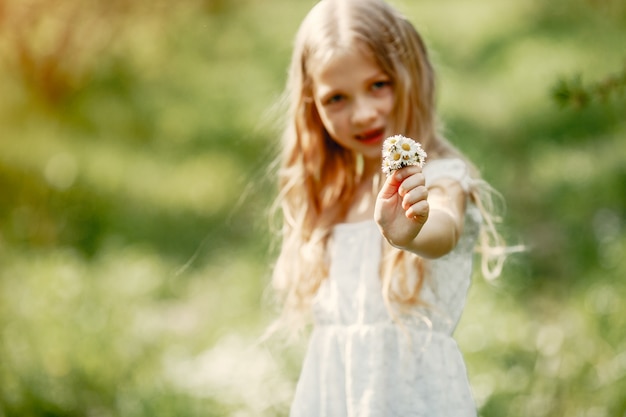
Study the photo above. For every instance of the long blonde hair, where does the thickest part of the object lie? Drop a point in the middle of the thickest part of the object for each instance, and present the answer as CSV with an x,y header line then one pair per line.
x,y
317,177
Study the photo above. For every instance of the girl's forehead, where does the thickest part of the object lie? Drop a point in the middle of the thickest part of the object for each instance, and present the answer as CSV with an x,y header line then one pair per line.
x,y
324,59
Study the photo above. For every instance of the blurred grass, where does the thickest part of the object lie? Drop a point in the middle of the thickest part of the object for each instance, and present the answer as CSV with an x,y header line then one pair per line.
x,y
135,250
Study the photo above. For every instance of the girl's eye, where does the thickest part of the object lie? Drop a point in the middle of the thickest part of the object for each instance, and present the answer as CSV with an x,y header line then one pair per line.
x,y
377,85
334,99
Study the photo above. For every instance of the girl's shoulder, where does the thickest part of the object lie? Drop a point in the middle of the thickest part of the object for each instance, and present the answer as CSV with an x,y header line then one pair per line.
x,y
449,168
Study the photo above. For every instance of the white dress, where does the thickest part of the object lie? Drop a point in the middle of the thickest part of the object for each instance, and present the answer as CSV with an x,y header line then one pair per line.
x,y
361,364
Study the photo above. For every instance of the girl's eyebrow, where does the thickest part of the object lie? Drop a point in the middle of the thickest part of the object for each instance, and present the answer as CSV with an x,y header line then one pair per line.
x,y
377,72
328,94
377,76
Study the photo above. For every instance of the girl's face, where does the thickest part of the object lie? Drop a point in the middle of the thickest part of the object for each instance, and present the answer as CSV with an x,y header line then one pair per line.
x,y
354,99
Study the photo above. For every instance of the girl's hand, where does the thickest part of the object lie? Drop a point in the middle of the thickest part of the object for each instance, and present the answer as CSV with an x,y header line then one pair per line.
x,y
402,207
425,221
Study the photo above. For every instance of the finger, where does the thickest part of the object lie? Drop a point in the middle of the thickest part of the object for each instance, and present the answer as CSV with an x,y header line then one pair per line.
x,y
418,211
411,182
393,182
414,196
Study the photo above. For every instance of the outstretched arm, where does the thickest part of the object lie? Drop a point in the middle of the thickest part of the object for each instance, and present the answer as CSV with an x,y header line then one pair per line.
x,y
425,221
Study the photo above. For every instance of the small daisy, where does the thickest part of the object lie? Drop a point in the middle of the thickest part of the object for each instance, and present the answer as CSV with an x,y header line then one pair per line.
x,y
399,152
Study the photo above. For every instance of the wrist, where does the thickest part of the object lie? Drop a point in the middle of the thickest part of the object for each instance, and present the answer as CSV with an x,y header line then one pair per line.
x,y
405,239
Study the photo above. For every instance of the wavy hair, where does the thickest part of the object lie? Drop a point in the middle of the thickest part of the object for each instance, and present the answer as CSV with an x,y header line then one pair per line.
x,y
317,178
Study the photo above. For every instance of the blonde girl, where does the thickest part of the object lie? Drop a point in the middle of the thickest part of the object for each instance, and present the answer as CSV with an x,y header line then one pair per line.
x,y
380,265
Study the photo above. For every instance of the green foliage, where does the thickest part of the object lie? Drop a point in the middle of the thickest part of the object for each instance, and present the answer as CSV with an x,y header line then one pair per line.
x,y
573,92
135,249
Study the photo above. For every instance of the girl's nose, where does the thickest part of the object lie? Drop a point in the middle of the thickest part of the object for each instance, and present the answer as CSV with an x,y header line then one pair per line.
x,y
364,112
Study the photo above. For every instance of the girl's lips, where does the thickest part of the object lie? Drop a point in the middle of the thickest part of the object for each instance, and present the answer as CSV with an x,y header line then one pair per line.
x,y
371,136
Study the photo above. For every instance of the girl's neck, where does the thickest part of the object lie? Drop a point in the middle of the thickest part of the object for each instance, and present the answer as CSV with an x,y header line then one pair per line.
x,y
371,168
362,206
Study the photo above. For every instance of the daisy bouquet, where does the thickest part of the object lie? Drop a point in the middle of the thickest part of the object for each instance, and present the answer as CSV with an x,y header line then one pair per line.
x,y
399,152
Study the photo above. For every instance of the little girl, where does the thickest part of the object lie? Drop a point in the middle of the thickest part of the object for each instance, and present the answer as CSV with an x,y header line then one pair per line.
x,y
382,265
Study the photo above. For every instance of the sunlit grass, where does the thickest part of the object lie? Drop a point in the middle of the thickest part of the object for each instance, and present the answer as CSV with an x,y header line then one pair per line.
x,y
529,349
130,321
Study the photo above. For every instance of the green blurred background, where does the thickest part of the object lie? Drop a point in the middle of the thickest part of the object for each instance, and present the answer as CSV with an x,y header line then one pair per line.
x,y
135,249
